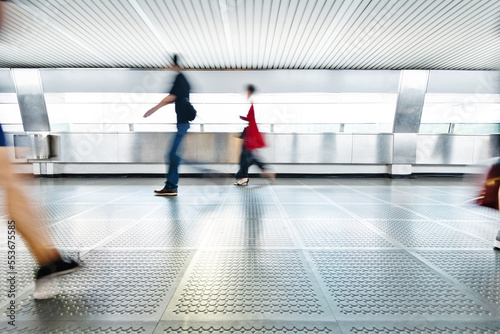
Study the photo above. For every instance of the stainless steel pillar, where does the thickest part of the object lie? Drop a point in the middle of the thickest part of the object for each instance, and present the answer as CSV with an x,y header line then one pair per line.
x,y
31,100
411,95
36,144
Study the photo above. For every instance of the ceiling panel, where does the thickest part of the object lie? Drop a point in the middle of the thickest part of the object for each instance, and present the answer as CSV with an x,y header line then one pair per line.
x,y
253,34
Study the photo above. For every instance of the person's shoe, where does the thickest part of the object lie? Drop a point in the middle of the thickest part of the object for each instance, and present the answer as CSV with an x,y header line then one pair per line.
x,y
496,245
46,277
242,182
166,192
269,174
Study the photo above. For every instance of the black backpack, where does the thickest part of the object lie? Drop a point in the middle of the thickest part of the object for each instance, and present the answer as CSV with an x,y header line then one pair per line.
x,y
190,111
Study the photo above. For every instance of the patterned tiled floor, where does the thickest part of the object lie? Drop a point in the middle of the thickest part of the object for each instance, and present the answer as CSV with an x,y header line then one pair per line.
x,y
301,255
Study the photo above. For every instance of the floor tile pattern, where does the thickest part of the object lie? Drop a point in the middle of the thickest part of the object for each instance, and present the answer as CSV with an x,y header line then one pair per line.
x,y
300,255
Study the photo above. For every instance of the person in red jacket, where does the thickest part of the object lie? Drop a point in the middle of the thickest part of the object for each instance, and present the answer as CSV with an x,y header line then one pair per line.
x,y
252,140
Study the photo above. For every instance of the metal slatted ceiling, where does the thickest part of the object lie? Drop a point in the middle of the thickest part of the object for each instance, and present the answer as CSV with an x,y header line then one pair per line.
x,y
253,34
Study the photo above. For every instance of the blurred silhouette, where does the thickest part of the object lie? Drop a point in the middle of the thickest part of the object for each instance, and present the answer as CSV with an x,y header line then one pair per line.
x,y
52,264
179,94
252,140
22,215
490,194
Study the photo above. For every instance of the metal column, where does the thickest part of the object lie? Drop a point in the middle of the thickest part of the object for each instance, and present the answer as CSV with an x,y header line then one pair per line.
x,y
411,95
34,115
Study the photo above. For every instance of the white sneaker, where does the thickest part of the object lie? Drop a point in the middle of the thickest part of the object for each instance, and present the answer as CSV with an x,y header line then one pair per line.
x,y
46,287
46,278
497,241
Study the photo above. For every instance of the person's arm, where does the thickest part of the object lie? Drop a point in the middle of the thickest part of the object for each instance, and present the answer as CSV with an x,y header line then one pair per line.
x,y
167,100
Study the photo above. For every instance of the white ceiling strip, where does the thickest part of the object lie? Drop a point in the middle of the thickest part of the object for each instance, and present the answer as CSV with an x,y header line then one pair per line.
x,y
48,21
253,34
347,34
435,47
227,31
324,19
150,25
410,40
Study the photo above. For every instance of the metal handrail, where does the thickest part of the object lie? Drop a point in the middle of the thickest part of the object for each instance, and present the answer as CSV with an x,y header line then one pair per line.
x,y
450,127
202,125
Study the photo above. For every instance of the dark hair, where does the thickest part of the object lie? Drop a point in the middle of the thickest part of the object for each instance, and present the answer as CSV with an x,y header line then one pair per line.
x,y
175,60
251,88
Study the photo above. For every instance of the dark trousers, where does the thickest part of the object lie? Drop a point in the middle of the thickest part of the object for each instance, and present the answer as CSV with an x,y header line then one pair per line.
x,y
2,137
174,159
247,159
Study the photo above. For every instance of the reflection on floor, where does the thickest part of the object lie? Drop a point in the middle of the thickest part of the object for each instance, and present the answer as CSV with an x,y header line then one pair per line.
x,y
298,256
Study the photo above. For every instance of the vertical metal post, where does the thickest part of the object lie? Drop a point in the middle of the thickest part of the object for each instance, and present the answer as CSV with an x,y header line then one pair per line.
x,y
409,106
411,95
31,100
451,128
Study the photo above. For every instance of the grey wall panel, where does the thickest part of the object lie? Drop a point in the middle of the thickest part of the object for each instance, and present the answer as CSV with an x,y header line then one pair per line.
x,y
302,149
412,88
405,148
486,147
285,148
445,149
372,149
464,82
269,81
313,148
91,147
205,148
216,147
6,83
153,147
143,147
224,148
188,149
31,99
266,154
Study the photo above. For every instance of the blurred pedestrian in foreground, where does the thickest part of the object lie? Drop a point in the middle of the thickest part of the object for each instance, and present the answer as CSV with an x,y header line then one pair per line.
x,y
252,140
22,216
179,94
490,194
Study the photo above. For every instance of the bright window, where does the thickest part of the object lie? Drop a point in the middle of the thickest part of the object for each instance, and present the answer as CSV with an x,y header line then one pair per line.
x,y
112,112
461,113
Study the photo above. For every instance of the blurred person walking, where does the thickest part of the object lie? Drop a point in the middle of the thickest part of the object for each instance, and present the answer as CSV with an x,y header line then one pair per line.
x,y
252,140
490,194
23,220
179,94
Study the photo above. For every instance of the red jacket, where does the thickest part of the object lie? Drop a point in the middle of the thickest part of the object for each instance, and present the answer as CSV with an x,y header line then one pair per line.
x,y
252,137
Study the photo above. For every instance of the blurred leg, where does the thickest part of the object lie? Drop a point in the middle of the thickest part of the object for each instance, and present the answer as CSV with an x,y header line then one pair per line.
x,y
21,211
244,164
174,158
267,173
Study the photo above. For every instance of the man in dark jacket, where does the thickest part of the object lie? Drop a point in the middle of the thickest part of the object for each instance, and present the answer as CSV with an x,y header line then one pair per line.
x,y
179,94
